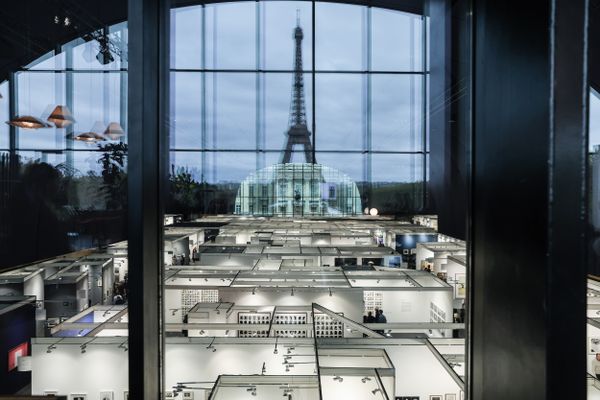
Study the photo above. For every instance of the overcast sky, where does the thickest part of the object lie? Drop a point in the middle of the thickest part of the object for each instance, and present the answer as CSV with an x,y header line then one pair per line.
x,y
244,111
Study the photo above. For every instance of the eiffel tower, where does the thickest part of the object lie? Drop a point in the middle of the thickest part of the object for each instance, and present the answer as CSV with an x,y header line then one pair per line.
x,y
298,133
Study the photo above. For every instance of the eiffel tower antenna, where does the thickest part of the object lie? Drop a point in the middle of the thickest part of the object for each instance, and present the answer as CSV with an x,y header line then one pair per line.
x,y
298,133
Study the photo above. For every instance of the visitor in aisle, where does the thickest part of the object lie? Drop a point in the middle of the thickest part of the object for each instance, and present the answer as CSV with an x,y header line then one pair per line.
x,y
118,299
380,319
596,366
370,318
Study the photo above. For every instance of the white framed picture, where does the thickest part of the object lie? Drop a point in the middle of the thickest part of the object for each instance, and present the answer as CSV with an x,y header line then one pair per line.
x,y
107,395
450,396
436,397
78,396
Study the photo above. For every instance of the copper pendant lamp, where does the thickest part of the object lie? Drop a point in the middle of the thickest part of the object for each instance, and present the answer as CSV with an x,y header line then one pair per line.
x,y
114,131
89,137
28,122
61,116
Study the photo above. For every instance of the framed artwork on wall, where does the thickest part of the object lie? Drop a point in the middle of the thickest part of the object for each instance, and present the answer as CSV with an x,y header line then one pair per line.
x,y
436,397
78,396
106,395
450,396
15,353
188,395
50,392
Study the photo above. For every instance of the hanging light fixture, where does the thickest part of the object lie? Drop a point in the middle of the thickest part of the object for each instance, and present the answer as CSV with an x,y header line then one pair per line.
x,y
93,135
114,131
61,116
28,122
89,137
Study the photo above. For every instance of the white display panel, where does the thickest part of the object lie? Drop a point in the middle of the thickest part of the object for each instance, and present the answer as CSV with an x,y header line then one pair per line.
x,y
253,318
286,319
327,327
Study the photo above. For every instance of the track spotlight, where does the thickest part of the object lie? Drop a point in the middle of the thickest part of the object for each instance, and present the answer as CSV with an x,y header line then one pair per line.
x,y
50,348
365,379
338,378
375,390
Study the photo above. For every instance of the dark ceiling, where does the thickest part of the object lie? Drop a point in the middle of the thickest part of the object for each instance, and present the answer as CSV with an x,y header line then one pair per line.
x,y
28,29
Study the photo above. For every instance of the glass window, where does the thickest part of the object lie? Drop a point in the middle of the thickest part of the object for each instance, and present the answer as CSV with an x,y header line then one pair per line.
x,y
594,139
38,93
275,111
4,115
188,115
231,35
231,110
396,112
397,182
279,20
339,37
186,37
396,41
340,105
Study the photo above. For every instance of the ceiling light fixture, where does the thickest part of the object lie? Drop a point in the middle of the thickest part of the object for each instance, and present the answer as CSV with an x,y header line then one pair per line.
x,y
89,137
28,122
61,116
114,131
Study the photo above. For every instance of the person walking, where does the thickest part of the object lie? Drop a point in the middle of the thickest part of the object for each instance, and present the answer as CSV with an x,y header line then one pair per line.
x,y
596,366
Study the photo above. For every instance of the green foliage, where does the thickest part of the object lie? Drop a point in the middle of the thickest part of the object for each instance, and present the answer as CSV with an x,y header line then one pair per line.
x,y
114,174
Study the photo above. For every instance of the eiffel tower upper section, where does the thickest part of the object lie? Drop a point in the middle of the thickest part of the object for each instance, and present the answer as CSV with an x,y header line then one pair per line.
x,y
298,133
